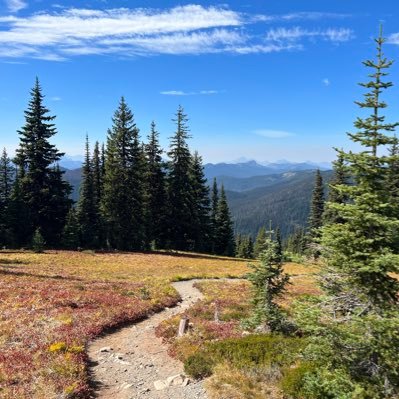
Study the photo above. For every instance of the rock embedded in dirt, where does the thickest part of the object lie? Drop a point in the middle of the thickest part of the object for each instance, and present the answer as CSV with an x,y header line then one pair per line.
x,y
105,349
160,385
175,380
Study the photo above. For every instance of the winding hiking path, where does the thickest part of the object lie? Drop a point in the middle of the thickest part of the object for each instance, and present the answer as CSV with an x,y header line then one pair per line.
x,y
126,363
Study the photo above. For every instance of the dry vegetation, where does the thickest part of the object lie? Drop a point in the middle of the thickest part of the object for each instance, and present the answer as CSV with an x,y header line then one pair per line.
x,y
52,303
218,317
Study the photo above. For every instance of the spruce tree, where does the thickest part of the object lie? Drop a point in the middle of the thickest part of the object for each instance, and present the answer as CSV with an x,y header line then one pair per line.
x,y
279,244
97,174
201,228
123,196
87,213
214,210
7,177
316,206
71,231
268,282
224,242
179,186
41,186
260,242
359,250
156,218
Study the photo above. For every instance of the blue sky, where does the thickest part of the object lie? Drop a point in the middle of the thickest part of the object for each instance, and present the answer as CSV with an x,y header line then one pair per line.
x,y
260,79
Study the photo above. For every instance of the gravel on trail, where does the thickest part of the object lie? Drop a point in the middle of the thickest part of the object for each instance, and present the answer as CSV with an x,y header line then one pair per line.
x,y
133,363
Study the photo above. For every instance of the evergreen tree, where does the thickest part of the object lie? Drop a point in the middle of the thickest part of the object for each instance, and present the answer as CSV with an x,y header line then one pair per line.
x,y
354,326
244,247
98,187
316,206
87,212
7,176
38,242
393,188
238,245
41,187
97,174
179,186
279,244
155,191
71,232
224,242
201,227
214,210
359,250
297,242
260,242
269,283
123,196
340,178
102,164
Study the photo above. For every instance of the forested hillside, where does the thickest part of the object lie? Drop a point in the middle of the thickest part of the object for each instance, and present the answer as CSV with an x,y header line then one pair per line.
x,y
283,198
285,202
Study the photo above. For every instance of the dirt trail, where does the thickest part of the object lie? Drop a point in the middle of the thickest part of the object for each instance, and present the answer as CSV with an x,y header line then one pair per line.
x,y
125,364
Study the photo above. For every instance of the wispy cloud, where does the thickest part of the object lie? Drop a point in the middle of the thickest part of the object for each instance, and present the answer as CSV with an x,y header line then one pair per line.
x,y
191,29
16,5
273,134
326,82
312,15
297,33
188,93
393,38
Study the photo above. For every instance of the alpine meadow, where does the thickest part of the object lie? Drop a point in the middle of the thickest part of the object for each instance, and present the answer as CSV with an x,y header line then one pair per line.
x,y
185,209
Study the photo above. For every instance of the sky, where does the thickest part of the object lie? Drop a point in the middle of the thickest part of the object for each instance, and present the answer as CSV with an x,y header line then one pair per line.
x,y
259,79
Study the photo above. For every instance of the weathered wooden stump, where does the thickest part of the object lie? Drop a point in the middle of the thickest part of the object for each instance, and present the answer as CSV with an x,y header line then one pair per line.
x,y
183,325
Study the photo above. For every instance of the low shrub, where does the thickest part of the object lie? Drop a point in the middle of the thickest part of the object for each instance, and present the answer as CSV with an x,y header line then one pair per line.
x,y
248,352
198,366
292,380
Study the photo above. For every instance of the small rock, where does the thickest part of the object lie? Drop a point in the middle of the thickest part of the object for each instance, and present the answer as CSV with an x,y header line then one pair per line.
x,y
159,385
119,356
175,380
106,349
185,382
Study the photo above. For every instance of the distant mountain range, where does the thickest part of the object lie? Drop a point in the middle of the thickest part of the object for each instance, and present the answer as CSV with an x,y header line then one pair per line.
x,y
254,168
257,193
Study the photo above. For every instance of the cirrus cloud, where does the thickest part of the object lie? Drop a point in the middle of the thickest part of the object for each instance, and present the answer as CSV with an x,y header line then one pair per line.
x,y
190,29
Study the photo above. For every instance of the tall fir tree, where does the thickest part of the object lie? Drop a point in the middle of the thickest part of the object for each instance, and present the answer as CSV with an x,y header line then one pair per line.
x,y
7,177
179,186
214,211
316,207
123,196
156,218
224,242
359,250
201,224
87,214
40,183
